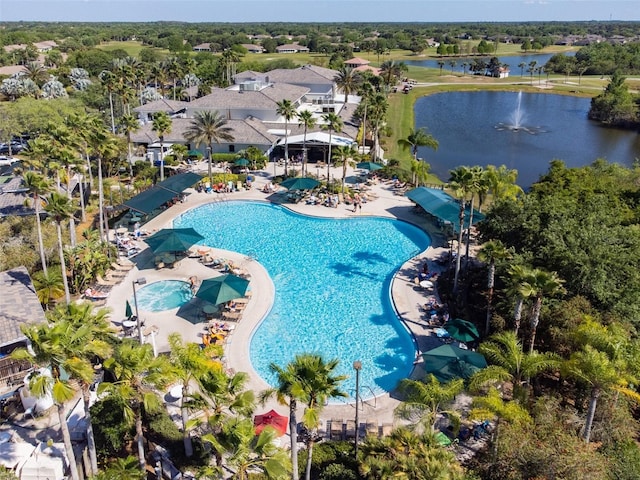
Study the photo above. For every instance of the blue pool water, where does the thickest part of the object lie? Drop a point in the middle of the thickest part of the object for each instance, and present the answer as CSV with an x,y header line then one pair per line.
x,y
332,282
163,295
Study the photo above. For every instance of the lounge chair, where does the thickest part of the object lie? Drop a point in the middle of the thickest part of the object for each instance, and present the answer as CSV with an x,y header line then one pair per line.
x,y
121,268
372,430
350,430
232,316
387,428
102,281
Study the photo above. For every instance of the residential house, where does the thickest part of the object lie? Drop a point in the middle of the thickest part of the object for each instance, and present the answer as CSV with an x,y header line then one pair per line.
x,y
291,48
203,47
251,48
356,62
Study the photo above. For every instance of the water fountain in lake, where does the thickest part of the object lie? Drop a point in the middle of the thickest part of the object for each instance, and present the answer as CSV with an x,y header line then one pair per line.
x,y
517,117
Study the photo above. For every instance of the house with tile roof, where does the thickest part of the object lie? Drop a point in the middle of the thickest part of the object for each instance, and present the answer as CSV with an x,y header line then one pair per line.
x,y
291,48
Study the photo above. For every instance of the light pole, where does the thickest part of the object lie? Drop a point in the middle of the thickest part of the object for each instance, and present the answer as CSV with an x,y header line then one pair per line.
x,y
357,366
140,281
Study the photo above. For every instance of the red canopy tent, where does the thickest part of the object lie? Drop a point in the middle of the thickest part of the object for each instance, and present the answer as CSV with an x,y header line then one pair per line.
x,y
271,418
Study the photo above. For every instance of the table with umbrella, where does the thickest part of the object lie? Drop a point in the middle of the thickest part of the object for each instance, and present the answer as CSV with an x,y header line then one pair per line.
x,y
222,289
371,166
462,330
447,362
299,183
271,419
167,243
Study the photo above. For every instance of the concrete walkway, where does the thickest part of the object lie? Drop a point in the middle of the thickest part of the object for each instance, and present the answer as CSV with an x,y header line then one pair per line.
x,y
406,295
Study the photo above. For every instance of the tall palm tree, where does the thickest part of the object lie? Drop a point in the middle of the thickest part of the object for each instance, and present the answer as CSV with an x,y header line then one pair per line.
x,y
541,284
162,126
333,123
47,342
347,80
48,286
492,252
138,375
129,124
289,391
306,120
418,138
319,383
208,127
109,80
391,71
37,186
460,182
377,111
476,186
509,362
518,275
419,172
287,110
59,209
423,399
346,153
190,365
86,336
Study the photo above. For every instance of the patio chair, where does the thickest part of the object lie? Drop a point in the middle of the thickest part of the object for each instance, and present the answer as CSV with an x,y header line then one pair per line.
x,y
121,268
335,429
387,428
103,282
371,429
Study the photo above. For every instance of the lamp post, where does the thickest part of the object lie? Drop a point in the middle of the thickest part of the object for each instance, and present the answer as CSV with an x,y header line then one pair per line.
x,y
140,281
357,366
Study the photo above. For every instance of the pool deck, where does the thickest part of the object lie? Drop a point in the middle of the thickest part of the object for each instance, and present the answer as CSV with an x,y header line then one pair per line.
x,y
405,294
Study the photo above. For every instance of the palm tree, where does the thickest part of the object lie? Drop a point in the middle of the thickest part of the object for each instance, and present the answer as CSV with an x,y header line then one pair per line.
x,y
461,181
391,71
518,275
286,109
138,375
208,127
476,185
493,405
377,113
37,186
48,286
319,383
502,182
59,209
491,252
190,365
540,284
86,336
289,391
509,362
109,80
423,398
129,125
418,138
346,154
121,468
47,344
162,126
333,123
250,453
347,80
306,120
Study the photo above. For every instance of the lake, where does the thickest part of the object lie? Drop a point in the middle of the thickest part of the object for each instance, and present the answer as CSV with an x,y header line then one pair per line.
x,y
512,60
472,129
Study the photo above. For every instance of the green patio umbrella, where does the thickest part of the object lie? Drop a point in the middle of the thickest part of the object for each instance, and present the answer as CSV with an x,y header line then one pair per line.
x,y
300,183
221,289
462,330
173,240
447,362
241,162
194,153
127,310
371,166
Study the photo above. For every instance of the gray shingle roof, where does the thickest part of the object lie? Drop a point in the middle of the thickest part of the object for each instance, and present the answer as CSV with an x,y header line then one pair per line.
x,y
224,99
307,74
19,304
162,105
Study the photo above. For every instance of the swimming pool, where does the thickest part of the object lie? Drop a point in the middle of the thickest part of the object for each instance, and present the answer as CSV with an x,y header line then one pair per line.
x,y
332,282
163,295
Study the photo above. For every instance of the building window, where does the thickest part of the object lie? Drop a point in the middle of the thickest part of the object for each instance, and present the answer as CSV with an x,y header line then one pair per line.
x,y
232,148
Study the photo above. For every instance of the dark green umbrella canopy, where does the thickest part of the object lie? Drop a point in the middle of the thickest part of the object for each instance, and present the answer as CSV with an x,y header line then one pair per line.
x,y
462,330
447,362
371,166
173,240
194,153
241,162
127,310
221,289
300,183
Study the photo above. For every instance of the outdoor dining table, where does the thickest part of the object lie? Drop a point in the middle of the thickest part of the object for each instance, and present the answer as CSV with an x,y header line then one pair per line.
x,y
129,323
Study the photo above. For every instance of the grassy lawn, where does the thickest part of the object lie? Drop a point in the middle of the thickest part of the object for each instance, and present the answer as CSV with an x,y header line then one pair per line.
x,y
131,47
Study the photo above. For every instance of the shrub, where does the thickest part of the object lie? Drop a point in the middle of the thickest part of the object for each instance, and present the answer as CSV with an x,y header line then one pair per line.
x,y
110,429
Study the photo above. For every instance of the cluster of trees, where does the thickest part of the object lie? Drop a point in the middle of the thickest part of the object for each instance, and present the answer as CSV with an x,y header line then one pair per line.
x,y
616,106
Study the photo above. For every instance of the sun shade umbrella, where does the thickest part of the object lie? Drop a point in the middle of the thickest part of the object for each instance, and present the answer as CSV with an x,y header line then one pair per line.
x,y
271,419
462,330
221,289
300,183
371,166
241,162
173,240
127,310
447,362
